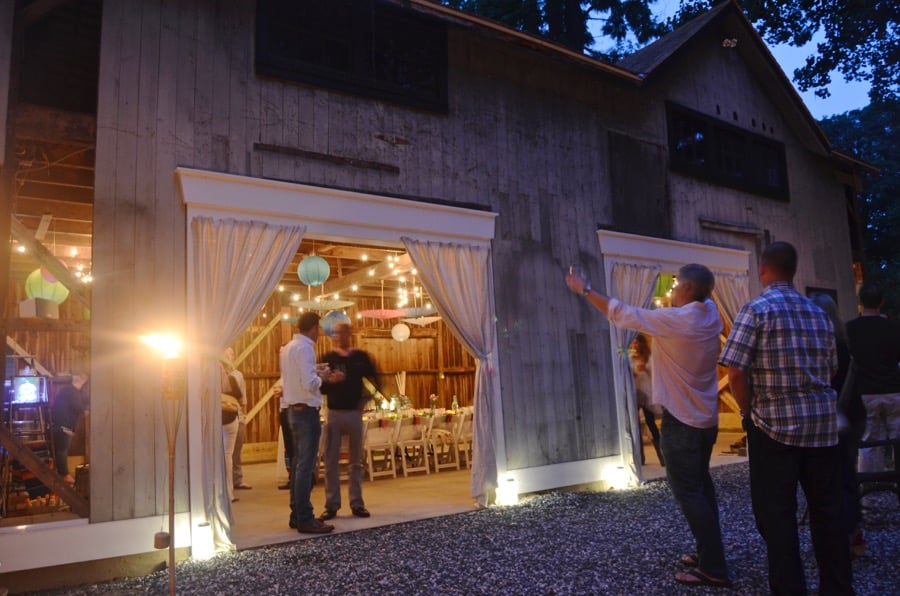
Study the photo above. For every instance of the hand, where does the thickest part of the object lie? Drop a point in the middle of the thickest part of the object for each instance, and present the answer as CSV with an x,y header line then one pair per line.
x,y
575,282
336,376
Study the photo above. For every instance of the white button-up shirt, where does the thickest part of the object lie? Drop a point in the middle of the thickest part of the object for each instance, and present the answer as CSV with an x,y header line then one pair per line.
x,y
683,357
298,373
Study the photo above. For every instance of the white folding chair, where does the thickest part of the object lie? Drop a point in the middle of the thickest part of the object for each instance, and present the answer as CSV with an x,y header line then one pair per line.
x,y
412,443
379,443
463,439
442,441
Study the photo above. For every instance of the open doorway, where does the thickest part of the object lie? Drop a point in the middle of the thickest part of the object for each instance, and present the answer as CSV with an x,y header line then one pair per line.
x,y
450,246
421,366
640,270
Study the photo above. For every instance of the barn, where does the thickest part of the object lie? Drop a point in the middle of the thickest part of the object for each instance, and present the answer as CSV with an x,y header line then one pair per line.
x,y
172,164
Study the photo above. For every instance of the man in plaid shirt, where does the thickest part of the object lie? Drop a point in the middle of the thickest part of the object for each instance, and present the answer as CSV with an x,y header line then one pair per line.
x,y
781,356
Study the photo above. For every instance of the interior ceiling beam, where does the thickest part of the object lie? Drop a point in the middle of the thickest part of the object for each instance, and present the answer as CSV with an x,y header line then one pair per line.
x,y
361,277
51,125
43,226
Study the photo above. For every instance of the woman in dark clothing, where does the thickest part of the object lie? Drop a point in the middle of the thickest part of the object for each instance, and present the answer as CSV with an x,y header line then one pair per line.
x,y
69,404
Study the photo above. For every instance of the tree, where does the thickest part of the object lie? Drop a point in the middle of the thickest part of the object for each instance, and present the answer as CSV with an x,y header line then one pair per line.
x,y
872,133
861,37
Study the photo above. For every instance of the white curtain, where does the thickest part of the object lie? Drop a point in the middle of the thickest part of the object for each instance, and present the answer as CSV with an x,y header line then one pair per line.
x,y
458,280
732,291
635,285
236,265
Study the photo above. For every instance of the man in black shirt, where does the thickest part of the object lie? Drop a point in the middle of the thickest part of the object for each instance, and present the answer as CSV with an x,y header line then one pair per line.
x,y
68,406
875,347
346,400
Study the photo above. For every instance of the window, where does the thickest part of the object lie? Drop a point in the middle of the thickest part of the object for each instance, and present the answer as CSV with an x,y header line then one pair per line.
x,y
709,149
374,49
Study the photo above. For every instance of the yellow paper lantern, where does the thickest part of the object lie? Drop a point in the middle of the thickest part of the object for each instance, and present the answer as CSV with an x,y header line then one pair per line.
x,y
36,286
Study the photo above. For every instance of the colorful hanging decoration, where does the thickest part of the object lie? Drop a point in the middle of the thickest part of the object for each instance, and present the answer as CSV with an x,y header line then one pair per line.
x,y
37,286
313,271
331,320
400,332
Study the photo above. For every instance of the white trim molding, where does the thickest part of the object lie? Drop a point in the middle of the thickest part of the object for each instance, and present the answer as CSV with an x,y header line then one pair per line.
x,y
341,215
670,254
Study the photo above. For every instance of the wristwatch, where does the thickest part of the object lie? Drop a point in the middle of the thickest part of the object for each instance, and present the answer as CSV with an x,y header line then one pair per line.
x,y
587,289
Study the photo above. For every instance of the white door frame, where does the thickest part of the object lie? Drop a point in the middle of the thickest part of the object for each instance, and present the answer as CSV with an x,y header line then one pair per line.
x,y
328,214
670,255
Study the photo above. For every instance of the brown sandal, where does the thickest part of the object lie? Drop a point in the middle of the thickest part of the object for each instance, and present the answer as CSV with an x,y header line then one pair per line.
x,y
691,560
695,577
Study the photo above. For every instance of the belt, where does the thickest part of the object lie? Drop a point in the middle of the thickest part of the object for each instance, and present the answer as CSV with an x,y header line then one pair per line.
x,y
301,407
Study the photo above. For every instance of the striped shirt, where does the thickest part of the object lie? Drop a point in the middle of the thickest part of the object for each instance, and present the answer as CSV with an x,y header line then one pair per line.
x,y
786,345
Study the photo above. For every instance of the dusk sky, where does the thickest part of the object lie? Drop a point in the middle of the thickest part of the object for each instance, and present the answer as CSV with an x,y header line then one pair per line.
x,y
844,96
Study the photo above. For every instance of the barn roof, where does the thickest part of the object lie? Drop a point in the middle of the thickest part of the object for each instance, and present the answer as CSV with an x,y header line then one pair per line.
x,y
642,66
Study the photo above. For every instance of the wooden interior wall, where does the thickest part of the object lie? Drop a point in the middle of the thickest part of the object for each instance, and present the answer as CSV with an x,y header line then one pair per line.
x,y
434,362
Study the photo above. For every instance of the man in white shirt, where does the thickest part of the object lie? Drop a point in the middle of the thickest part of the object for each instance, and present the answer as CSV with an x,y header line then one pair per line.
x,y
302,380
685,384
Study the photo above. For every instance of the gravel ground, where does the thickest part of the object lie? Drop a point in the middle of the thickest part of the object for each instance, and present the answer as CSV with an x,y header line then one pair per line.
x,y
621,542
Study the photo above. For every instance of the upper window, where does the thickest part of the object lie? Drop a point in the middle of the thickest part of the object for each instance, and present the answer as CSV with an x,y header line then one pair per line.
x,y
710,149
371,49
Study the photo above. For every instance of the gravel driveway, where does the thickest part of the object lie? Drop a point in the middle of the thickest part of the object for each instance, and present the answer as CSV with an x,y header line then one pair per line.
x,y
620,542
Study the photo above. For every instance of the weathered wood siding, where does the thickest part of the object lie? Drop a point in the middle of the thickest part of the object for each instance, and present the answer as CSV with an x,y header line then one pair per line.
x,y
717,82
527,136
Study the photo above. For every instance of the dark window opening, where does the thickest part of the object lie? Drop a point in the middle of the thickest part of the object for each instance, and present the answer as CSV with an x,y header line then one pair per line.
x,y
709,149
374,49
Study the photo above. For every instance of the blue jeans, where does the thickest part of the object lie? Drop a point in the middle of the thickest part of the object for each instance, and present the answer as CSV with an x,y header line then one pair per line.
x,y
687,451
776,470
306,429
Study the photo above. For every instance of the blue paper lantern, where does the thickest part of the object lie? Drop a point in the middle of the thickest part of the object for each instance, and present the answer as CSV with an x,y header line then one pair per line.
x,y
331,320
313,271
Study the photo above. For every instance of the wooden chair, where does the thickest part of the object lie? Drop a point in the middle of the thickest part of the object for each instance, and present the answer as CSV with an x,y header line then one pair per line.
x,y
412,444
379,442
442,441
463,441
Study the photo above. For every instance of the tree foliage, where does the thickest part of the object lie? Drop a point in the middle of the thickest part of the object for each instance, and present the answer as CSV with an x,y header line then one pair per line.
x,y
858,38
872,132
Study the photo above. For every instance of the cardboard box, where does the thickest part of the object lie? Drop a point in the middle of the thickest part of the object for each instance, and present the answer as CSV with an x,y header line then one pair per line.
x,y
39,307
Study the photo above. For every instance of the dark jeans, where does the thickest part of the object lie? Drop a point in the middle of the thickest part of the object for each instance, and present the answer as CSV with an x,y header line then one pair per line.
x,y
61,441
288,439
776,470
687,451
306,429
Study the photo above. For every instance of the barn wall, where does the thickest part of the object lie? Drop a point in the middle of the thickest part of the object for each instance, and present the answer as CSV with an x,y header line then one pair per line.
x,y
716,81
526,136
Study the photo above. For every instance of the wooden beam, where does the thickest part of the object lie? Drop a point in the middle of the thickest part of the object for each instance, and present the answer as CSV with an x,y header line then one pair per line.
x,y
43,325
40,123
361,277
45,258
257,340
259,405
25,456
20,351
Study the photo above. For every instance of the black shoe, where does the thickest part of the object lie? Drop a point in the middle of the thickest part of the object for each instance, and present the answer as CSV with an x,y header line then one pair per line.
x,y
361,512
314,526
285,486
328,514
292,524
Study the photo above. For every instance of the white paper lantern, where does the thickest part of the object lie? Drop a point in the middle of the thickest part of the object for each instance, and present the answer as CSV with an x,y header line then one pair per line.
x,y
400,332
